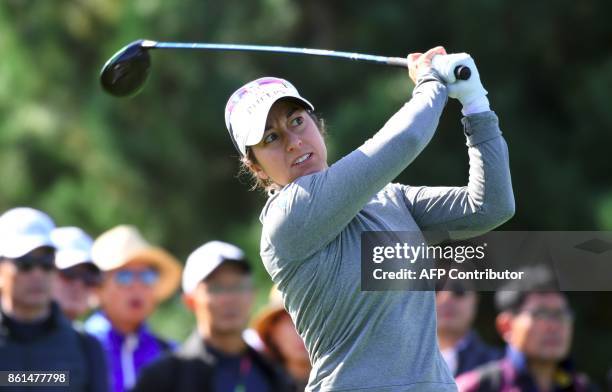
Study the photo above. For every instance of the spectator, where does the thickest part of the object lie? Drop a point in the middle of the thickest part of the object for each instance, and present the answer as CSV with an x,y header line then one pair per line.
x,y
282,342
219,291
536,322
34,334
461,347
78,275
136,278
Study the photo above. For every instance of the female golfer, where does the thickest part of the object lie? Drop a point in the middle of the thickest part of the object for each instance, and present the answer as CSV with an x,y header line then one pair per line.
x,y
315,214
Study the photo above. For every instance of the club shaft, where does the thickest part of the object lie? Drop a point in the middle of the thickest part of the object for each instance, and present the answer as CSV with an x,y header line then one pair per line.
x,y
394,61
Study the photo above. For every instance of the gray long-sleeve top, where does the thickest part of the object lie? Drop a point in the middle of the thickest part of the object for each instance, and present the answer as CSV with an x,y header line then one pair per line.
x,y
386,340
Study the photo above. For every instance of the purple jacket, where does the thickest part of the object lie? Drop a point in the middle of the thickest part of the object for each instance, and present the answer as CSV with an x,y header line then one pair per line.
x,y
126,355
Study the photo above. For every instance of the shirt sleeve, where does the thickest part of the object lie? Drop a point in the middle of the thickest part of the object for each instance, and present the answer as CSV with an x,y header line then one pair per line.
x,y
485,202
311,211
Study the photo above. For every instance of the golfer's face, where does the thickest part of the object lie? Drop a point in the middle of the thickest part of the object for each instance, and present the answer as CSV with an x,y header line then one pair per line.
x,y
224,300
292,145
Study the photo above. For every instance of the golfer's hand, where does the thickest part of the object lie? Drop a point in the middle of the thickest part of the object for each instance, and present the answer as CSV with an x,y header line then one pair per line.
x,y
470,93
419,63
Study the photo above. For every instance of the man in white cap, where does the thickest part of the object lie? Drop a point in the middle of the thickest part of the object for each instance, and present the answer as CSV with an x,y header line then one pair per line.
x,y
218,289
77,274
34,334
137,276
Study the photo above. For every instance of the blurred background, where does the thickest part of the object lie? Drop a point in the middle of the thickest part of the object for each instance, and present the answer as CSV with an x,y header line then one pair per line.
x,y
163,161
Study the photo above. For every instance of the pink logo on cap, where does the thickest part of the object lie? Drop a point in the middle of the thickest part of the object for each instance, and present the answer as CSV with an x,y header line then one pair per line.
x,y
253,87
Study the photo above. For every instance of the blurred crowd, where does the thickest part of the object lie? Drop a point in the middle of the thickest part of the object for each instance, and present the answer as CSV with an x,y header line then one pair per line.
x,y
68,302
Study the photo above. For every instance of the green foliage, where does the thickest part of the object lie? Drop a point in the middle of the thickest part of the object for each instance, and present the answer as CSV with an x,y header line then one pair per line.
x,y
163,161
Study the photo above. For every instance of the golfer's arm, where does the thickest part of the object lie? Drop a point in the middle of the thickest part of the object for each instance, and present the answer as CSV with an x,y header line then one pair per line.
x,y
486,202
316,208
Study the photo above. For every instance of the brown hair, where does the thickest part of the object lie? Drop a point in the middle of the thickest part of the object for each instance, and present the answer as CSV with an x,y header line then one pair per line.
x,y
266,336
247,161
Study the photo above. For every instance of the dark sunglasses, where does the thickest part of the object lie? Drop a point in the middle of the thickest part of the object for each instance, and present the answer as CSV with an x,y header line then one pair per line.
x,y
28,262
89,277
126,277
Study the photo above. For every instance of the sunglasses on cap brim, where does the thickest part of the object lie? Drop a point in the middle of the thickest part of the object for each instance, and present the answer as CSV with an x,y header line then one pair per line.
x,y
28,262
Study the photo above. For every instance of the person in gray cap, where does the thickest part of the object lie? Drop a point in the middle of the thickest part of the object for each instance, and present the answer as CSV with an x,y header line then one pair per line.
x,y
34,334
218,289
78,276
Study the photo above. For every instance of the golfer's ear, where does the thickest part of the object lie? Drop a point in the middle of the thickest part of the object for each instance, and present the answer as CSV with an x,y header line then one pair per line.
x,y
259,172
253,166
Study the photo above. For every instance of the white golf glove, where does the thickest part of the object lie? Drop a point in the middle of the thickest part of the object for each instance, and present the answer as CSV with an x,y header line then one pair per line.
x,y
469,92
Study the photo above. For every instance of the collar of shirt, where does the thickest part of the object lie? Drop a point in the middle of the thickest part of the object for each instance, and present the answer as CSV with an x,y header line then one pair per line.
x,y
451,355
99,325
28,331
126,354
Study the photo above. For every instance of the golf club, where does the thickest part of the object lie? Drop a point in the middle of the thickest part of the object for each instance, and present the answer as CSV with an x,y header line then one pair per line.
x,y
126,72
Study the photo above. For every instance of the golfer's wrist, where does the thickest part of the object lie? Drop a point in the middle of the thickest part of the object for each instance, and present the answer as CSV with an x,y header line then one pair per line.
x,y
480,127
478,105
428,76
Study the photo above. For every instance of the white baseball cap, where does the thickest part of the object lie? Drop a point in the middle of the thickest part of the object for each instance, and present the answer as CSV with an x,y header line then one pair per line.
x,y
247,109
73,247
207,258
24,229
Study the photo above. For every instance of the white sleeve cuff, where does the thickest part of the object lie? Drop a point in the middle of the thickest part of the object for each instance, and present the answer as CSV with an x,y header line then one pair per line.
x,y
479,105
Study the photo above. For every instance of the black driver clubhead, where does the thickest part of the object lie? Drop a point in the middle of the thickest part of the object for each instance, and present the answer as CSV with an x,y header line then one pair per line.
x,y
126,72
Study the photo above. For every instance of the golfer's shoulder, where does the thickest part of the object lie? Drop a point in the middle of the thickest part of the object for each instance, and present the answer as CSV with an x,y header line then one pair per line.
x,y
288,202
275,210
